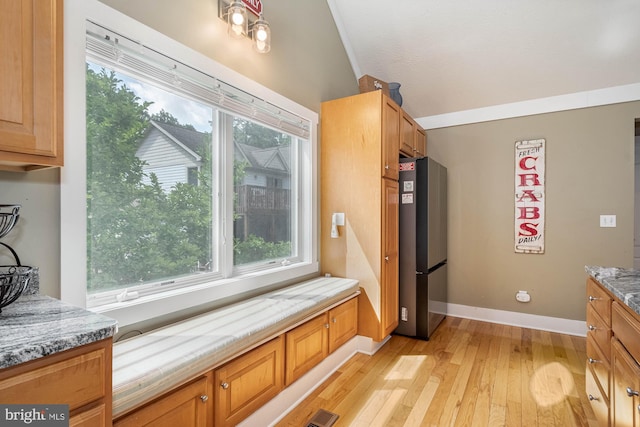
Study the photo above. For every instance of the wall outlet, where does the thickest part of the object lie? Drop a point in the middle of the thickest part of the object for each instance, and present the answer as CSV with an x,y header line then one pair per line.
x,y
607,220
523,296
404,314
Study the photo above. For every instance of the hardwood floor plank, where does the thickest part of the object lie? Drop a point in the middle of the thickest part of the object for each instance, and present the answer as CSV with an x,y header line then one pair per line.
x,y
469,373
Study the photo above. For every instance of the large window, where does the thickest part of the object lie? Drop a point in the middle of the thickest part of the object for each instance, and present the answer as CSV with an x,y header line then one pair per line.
x,y
193,183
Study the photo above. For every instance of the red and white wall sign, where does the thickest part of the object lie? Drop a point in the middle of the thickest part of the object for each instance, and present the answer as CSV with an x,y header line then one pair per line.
x,y
529,196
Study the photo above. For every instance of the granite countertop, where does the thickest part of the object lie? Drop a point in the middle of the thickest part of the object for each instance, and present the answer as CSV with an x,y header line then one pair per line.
x,y
35,326
624,283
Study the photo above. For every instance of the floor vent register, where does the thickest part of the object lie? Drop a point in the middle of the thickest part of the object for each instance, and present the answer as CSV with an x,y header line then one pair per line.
x,y
322,418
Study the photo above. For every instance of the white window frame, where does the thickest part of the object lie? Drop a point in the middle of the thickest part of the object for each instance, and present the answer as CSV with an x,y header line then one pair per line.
x,y
73,176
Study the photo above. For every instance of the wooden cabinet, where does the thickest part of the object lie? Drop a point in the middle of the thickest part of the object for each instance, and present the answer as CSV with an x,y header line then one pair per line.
x,y
625,359
31,91
390,294
189,406
359,168
413,139
80,378
306,346
598,350
625,389
613,357
310,343
248,382
343,324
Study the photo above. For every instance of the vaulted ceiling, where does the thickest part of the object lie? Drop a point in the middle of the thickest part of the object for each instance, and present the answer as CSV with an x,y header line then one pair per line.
x,y
458,55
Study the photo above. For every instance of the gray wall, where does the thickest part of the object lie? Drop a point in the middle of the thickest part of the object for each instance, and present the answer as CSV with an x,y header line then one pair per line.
x,y
589,171
307,64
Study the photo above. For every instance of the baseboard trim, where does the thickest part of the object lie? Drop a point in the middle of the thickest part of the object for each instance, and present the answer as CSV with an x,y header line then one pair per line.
x,y
524,320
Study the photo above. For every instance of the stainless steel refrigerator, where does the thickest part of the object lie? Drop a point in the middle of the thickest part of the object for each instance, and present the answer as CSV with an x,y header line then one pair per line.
x,y
423,246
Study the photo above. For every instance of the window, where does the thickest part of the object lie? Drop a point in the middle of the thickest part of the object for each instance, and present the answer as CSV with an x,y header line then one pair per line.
x,y
196,189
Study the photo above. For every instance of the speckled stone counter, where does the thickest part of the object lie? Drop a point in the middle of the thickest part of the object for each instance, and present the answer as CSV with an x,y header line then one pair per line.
x,y
624,283
35,326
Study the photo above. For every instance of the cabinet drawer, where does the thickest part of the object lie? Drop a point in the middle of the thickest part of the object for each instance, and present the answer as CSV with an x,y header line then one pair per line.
x,y
599,365
598,330
75,381
599,300
626,328
599,403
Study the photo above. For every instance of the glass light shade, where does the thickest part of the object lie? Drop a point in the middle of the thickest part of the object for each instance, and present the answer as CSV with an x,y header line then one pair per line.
x,y
261,35
237,19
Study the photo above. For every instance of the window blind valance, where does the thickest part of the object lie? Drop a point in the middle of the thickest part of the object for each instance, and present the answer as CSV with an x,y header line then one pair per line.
x,y
111,49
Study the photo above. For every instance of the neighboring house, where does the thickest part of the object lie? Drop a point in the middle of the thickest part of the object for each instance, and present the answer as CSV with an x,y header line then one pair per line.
x,y
263,202
172,154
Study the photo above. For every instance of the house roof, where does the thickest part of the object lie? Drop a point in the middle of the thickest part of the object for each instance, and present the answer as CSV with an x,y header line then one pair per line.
x,y
192,140
277,159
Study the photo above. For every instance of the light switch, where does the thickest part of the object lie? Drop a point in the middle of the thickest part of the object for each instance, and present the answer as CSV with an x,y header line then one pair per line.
x,y
607,220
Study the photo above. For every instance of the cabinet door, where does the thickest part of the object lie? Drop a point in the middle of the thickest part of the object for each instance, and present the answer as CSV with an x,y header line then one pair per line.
x,y
626,386
597,399
306,346
390,138
31,66
389,293
188,406
420,142
343,323
407,135
248,382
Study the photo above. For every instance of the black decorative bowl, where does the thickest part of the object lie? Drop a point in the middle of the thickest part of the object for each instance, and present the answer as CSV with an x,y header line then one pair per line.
x,y
14,279
8,218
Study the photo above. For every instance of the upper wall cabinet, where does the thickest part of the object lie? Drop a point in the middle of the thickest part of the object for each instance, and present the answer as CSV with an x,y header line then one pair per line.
x,y
31,92
413,139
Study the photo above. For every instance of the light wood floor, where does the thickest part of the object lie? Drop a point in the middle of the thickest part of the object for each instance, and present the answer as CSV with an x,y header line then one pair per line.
x,y
470,373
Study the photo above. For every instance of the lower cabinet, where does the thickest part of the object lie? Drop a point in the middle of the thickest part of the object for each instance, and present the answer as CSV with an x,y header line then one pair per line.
x,y
187,406
80,378
226,395
248,382
626,387
343,323
310,343
306,346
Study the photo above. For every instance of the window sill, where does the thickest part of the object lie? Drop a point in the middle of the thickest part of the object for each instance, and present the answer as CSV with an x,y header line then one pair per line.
x,y
168,306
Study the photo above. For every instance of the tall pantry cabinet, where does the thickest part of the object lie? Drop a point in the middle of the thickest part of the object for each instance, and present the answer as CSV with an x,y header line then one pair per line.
x,y
359,177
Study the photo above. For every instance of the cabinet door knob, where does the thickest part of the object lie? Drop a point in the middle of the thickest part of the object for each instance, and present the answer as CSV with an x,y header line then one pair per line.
x,y
334,320
386,258
204,397
224,385
631,392
326,325
386,167
592,328
592,298
592,361
591,397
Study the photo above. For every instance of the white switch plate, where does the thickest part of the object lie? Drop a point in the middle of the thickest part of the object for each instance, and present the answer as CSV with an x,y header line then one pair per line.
x,y
607,220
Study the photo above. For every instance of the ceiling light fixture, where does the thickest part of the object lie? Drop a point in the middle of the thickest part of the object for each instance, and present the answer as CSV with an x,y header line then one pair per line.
x,y
241,23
